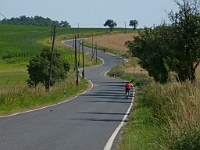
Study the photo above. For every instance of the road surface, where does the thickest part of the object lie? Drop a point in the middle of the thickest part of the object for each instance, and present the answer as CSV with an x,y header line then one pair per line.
x,y
84,123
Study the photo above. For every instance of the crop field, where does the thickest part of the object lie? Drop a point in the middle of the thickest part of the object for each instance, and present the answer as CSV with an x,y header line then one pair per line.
x,y
18,44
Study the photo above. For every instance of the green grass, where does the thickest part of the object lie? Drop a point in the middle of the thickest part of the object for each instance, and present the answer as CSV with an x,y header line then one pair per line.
x,y
13,77
164,117
141,132
176,107
20,43
23,98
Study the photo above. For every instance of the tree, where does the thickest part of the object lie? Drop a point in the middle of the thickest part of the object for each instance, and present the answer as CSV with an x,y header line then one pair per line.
x,y
39,66
111,24
171,48
65,24
151,49
133,23
186,35
35,21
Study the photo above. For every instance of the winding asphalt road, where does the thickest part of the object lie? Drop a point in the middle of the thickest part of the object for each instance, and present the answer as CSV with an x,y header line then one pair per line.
x,y
86,122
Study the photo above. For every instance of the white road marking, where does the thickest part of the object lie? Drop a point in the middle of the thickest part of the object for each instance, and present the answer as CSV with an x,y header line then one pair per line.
x,y
48,105
109,144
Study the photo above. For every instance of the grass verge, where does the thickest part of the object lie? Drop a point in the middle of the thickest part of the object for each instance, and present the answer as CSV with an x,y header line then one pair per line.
x,y
141,131
22,98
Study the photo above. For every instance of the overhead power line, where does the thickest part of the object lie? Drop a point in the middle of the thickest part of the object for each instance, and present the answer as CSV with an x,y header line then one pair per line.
x,y
3,15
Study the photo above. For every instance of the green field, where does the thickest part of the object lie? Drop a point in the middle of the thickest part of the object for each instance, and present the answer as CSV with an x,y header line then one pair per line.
x,y
18,44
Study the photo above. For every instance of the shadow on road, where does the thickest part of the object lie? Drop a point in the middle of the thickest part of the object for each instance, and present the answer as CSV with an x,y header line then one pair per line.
x,y
104,113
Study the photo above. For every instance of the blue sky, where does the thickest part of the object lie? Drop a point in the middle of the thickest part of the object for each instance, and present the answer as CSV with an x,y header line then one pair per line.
x,y
92,13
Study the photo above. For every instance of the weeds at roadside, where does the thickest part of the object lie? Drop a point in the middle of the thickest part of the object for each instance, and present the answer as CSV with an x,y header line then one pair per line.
x,y
22,97
176,107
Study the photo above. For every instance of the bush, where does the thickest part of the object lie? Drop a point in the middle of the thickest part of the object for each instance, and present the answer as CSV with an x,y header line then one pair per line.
x,y
175,107
186,139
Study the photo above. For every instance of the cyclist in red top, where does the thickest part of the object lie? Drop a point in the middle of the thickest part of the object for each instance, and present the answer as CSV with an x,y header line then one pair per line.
x,y
127,89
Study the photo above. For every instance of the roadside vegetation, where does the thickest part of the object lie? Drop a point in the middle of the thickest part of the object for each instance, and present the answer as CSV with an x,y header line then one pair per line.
x,y
166,110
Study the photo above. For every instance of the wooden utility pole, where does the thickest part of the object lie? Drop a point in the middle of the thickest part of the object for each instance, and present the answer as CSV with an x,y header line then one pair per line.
x,y
76,64
52,55
125,26
92,47
78,31
79,52
96,51
73,39
83,72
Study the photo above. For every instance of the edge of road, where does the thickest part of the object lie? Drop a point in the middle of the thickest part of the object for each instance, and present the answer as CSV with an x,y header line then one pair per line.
x,y
48,106
65,101
110,142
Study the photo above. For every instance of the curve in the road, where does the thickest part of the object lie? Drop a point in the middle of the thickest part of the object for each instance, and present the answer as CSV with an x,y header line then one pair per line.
x,y
86,122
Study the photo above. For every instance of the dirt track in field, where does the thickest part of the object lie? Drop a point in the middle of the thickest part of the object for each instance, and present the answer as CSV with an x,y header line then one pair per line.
x,y
117,41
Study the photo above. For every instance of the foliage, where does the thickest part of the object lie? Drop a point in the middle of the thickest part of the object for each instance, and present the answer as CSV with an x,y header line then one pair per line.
x,y
20,43
150,48
176,108
141,131
133,23
111,23
35,21
186,139
39,65
171,48
185,39
174,100
21,97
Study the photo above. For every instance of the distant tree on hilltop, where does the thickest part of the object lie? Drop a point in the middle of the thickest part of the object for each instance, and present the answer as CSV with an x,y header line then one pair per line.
x,y
35,21
111,24
133,23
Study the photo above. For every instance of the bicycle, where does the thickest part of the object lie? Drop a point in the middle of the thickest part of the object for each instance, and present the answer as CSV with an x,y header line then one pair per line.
x,y
127,93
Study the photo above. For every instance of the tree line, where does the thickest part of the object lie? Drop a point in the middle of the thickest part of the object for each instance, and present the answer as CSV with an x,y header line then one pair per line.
x,y
47,22
171,48
35,21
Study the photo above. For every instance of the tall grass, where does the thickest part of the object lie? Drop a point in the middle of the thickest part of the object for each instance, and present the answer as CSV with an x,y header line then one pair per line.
x,y
21,97
176,106
141,131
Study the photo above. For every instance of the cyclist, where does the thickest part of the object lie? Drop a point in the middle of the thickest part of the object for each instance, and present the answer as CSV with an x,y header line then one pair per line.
x,y
104,49
127,89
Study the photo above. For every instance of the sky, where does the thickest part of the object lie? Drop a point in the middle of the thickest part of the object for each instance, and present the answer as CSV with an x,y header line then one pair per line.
x,y
92,13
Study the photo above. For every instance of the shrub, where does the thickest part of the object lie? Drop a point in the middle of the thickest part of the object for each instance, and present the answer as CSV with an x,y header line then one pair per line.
x,y
187,138
175,107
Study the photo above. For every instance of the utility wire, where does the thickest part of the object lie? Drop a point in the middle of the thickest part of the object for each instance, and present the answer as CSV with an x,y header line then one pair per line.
x,y
3,15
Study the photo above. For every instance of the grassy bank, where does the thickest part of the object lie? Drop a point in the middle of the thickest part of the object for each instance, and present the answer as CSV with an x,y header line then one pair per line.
x,y
176,107
141,132
21,97
164,117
